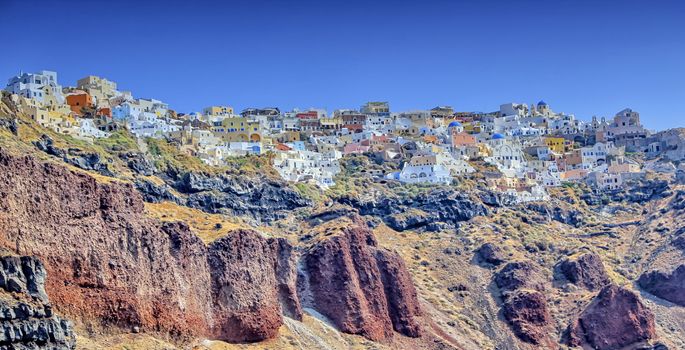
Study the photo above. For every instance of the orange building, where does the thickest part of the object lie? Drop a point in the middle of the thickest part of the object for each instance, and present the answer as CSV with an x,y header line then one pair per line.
x,y
430,139
106,111
79,100
463,139
573,158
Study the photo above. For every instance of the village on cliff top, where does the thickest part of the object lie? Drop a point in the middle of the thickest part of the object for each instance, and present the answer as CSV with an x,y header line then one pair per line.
x,y
528,147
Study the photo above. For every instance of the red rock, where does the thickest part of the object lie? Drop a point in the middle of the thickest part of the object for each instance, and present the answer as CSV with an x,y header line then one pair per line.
x,y
585,271
616,318
527,313
519,274
110,265
525,306
400,293
286,277
244,288
361,288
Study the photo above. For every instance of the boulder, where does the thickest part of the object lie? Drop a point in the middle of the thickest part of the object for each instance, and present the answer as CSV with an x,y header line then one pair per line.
x,y
527,313
525,306
585,271
615,318
491,254
519,275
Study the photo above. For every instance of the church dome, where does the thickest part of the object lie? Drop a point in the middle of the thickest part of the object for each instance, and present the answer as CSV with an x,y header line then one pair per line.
x,y
497,136
454,124
542,103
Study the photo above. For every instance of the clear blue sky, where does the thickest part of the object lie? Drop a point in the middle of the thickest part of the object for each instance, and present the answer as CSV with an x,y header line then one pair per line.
x,y
582,57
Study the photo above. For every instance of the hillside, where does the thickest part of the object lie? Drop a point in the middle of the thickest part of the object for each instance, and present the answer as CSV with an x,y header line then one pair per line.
x,y
146,247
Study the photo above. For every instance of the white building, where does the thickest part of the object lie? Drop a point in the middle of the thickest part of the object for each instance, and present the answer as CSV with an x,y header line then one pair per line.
x,y
425,169
456,166
507,155
510,109
87,129
595,155
304,166
39,86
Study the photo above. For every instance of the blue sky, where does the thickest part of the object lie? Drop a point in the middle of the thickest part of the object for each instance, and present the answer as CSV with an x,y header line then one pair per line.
x,y
582,57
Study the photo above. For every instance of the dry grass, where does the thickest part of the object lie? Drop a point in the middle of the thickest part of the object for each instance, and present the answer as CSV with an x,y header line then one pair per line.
x,y
209,227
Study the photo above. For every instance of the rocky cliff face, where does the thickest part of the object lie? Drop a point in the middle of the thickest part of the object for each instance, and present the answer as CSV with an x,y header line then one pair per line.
x,y
616,318
362,288
111,266
244,287
28,321
637,191
74,156
261,199
440,206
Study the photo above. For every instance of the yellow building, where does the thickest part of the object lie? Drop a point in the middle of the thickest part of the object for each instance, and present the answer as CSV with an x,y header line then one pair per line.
x,y
288,136
100,88
218,110
237,129
376,108
41,113
472,128
556,144
331,123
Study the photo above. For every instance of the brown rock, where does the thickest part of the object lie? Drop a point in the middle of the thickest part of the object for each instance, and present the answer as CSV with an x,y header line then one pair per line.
x,y
614,319
669,286
110,265
585,271
400,292
519,274
491,254
527,313
286,277
525,307
361,288
244,287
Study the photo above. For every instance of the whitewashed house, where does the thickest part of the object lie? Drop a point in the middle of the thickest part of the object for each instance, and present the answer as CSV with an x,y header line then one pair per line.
x,y
507,155
41,86
303,166
88,130
425,169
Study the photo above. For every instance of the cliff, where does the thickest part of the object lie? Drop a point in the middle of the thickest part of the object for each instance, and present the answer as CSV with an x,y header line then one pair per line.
x,y
112,267
28,320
